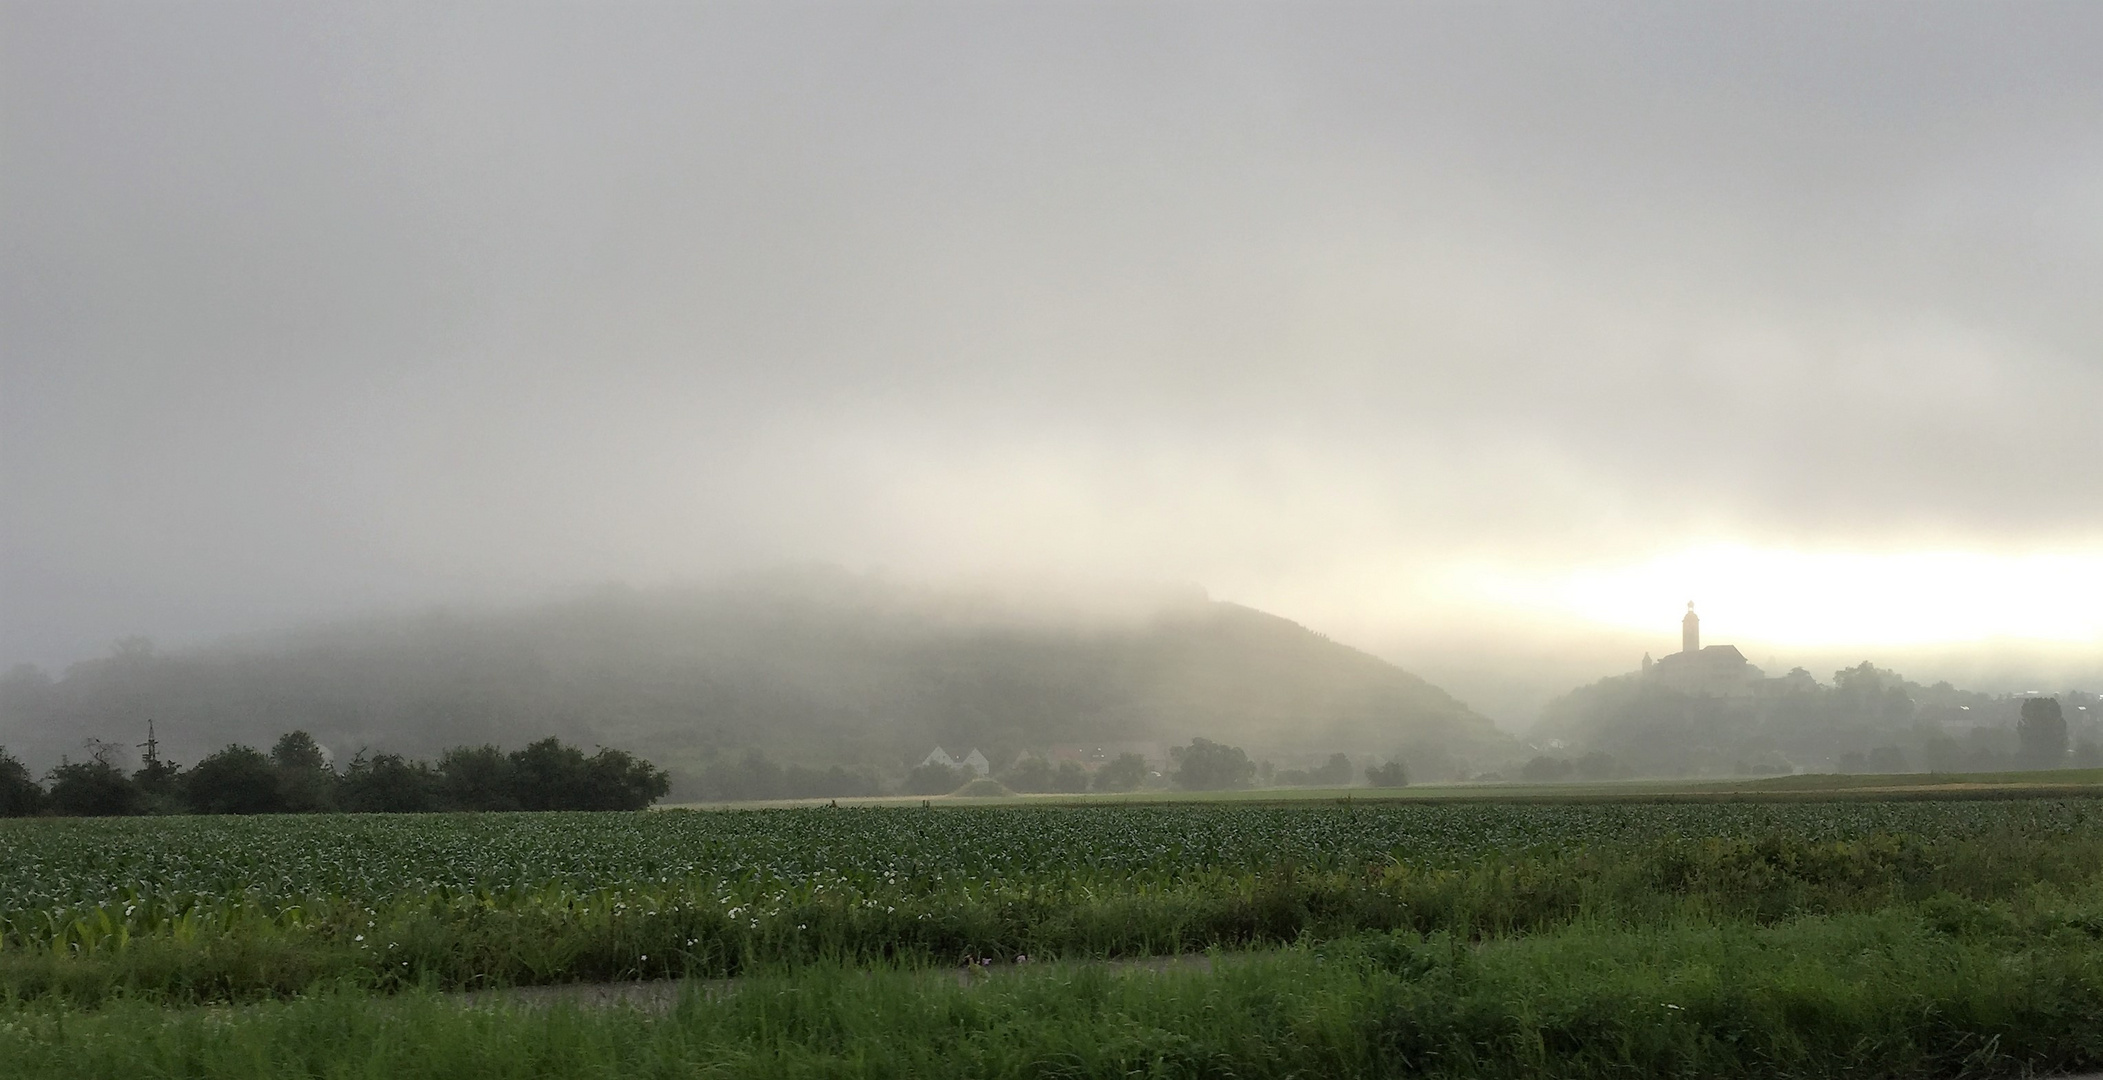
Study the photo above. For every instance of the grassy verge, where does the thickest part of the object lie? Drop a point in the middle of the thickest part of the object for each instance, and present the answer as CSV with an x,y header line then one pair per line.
x,y
1944,988
475,940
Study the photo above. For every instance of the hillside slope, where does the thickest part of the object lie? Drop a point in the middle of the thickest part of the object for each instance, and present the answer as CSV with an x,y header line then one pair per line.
x,y
814,667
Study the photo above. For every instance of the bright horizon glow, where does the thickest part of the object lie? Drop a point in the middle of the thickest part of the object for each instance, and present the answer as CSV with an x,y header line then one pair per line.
x,y
1782,597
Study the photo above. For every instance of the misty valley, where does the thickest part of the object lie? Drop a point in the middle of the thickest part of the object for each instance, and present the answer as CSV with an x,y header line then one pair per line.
x,y
818,684
963,835
1050,540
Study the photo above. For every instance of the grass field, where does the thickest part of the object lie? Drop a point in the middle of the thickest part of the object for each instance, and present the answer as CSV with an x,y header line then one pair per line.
x,y
1799,934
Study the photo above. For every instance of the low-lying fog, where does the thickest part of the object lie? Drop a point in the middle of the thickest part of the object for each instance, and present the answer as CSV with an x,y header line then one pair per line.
x,y
1481,338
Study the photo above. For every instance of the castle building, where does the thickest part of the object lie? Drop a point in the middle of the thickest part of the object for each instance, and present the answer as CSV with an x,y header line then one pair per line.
x,y
1713,671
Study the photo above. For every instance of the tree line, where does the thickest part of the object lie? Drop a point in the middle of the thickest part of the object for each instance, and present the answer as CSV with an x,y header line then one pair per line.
x,y
296,777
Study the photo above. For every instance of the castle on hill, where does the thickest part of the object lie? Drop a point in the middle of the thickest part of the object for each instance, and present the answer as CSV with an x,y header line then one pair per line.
x,y
1715,670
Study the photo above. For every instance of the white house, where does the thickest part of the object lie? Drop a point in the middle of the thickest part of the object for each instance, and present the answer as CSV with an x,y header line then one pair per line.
x,y
974,761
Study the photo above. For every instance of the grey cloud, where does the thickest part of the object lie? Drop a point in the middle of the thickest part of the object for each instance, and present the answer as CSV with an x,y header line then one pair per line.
x,y
312,306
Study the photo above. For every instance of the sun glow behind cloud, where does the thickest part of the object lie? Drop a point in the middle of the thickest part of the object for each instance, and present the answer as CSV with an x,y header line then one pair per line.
x,y
1832,598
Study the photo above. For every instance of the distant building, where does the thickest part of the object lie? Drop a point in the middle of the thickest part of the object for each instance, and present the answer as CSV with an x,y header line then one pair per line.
x,y
1715,671
974,761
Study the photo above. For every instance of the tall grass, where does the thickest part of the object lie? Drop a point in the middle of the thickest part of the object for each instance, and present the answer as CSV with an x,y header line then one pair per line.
x,y
1949,987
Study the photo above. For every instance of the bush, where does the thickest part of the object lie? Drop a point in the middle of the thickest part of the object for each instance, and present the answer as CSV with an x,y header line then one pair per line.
x,y
20,794
1546,769
1335,772
306,784
236,780
1070,777
387,784
1388,775
618,780
93,788
1032,773
755,777
1124,774
1205,765
475,778
935,778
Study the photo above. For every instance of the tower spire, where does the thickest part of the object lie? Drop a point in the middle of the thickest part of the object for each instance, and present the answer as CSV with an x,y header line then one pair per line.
x,y
1690,631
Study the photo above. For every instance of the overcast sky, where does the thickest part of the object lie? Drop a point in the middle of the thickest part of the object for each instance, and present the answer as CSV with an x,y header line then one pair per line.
x,y
1395,319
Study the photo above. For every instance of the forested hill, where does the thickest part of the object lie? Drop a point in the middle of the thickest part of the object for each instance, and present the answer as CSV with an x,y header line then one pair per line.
x,y
814,667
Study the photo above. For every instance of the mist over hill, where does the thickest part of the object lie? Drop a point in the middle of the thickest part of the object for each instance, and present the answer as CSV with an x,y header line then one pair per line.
x,y
1865,719
812,666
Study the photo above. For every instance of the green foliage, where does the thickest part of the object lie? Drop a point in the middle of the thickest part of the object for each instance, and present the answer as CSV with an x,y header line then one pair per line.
x,y
550,776
1030,773
1390,775
235,907
1126,773
236,780
304,780
935,778
388,783
92,788
20,794
1944,987
476,778
1546,769
756,777
1033,773
2042,733
1205,765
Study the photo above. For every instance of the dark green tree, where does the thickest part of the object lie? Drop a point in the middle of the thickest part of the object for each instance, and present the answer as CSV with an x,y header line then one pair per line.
x,y
306,784
1124,774
388,784
475,778
1205,765
236,780
1389,775
935,778
1546,769
1070,777
1335,772
96,787
20,794
2042,733
618,780
1031,773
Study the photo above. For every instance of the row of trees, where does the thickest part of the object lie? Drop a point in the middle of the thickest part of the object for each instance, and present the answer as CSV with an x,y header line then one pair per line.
x,y
1203,765
296,777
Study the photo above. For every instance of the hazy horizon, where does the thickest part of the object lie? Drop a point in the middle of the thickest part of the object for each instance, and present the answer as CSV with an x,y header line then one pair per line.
x,y
1482,338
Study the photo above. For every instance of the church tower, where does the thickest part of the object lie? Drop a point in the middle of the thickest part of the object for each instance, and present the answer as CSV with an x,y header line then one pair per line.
x,y
1690,631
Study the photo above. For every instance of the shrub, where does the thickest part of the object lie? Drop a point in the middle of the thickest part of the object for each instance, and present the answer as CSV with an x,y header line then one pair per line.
x,y
93,788
1124,774
236,780
1545,768
1032,773
1388,775
475,778
1205,765
388,783
20,794
305,782
935,778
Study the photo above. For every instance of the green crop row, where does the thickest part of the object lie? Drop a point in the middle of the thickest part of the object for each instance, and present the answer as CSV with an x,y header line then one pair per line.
x,y
218,908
